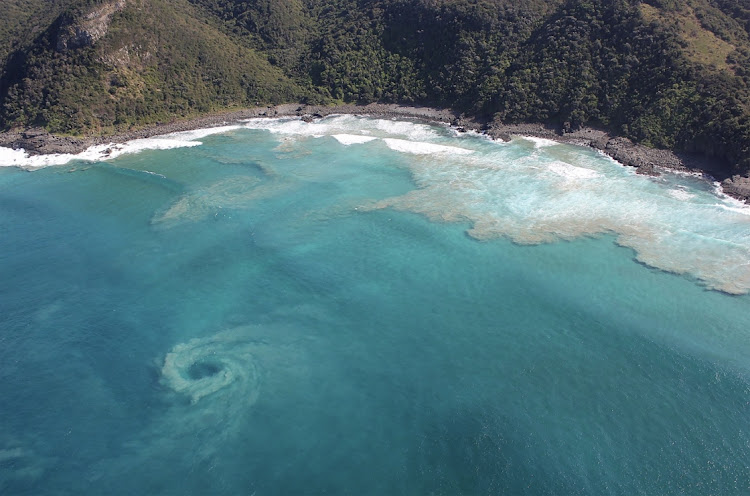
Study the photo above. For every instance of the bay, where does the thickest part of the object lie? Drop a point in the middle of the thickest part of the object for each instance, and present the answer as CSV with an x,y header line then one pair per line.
x,y
364,306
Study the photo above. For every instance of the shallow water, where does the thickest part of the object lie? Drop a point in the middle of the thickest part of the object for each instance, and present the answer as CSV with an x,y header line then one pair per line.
x,y
360,306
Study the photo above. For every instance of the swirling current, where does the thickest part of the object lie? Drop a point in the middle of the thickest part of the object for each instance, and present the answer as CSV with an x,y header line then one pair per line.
x,y
368,306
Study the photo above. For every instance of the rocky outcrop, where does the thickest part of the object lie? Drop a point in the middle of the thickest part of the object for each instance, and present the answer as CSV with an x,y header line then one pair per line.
x,y
625,151
738,187
79,32
647,161
39,141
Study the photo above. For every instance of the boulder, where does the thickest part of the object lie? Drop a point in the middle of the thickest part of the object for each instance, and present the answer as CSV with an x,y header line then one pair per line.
x,y
738,187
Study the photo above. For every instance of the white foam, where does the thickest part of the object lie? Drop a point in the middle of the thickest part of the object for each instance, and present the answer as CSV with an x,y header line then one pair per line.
x,y
411,130
12,158
96,153
687,173
197,134
571,171
155,174
541,142
680,194
352,139
739,209
532,196
19,158
344,125
298,127
138,145
423,148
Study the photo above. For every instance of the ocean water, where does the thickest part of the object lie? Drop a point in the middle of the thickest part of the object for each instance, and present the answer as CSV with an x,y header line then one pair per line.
x,y
371,307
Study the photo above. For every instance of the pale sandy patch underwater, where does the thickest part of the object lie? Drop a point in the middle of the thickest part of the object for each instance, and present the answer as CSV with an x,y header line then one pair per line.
x,y
276,311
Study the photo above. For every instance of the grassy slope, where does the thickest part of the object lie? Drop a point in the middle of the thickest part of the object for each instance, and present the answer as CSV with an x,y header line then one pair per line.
x,y
701,45
159,59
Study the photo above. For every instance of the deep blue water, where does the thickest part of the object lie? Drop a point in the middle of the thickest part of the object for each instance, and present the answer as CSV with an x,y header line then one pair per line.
x,y
296,311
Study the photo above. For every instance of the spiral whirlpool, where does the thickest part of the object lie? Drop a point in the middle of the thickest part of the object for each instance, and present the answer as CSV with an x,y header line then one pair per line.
x,y
208,366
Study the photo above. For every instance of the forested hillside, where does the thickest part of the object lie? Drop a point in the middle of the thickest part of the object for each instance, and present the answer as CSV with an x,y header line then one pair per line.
x,y
666,73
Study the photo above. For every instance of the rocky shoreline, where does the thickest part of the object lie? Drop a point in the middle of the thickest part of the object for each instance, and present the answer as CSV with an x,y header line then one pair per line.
x,y
646,160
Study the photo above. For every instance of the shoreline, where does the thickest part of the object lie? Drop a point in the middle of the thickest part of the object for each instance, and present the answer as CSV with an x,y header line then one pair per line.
x,y
647,161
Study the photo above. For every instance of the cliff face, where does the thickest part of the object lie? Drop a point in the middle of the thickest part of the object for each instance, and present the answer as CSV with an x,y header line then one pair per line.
x,y
74,33
663,73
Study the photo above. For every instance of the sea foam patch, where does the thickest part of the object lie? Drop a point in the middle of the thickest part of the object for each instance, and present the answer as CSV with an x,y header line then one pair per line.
x,y
352,139
569,171
510,192
541,142
106,152
294,126
345,125
109,151
197,134
681,194
504,191
96,153
423,148
12,158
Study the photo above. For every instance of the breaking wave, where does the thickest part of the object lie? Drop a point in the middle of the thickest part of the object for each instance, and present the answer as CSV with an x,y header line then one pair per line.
x,y
97,153
571,171
196,134
422,148
534,197
528,194
540,142
681,194
346,125
352,139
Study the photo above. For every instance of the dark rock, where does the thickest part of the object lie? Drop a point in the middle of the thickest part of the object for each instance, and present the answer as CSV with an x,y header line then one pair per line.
x,y
37,141
34,132
600,143
647,170
738,187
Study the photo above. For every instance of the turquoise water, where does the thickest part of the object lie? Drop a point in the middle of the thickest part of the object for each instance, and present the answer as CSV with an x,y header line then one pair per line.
x,y
359,306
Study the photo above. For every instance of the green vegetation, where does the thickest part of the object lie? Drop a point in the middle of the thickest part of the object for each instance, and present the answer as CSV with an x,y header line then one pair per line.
x,y
159,60
662,72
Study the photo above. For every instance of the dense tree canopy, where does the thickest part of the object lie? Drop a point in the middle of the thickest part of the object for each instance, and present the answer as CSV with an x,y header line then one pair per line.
x,y
667,73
